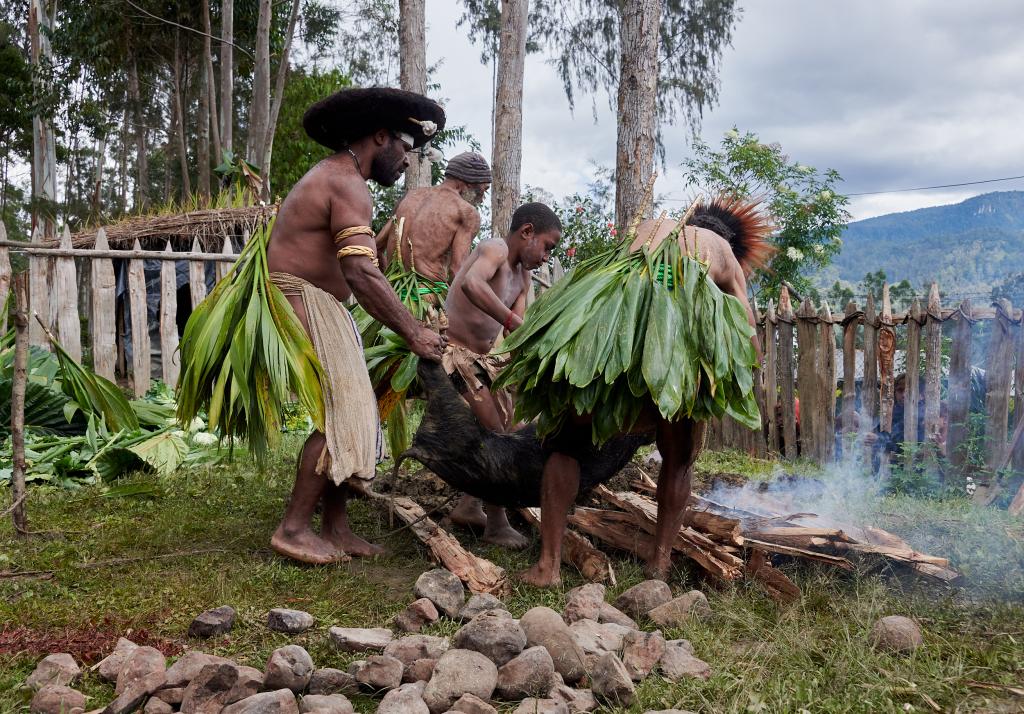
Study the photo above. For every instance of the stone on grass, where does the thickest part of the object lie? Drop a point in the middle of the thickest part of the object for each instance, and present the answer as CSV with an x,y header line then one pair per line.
x,y
584,603
328,680
57,699
896,633
678,611
610,613
541,706
110,666
410,648
250,682
280,702
59,668
578,701
185,669
478,603
459,672
526,675
142,662
325,704
545,628
407,699
640,599
360,639
157,706
677,663
208,691
610,682
685,644
443,588
211,623
641,652
668,711
291,622
380,672
289,667
419,671
497,638
596,639
472,704
419,613
134,693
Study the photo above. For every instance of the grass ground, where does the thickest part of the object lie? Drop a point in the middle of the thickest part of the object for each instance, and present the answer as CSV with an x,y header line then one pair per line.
x,y
101,578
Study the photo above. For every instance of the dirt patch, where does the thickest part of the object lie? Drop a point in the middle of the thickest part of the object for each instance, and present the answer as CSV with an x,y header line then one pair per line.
x,y
86,643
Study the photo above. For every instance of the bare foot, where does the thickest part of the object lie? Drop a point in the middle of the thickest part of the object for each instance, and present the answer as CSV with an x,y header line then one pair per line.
x,y
469,512
500,532
541,576
305,547
658,568
345,541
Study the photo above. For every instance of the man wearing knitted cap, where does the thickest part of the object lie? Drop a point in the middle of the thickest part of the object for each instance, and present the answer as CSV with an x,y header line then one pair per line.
x,y
439,224
321,252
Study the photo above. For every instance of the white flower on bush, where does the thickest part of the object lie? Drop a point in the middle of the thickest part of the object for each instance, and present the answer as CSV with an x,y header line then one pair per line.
x,y
805,169
825,195
794,253
819,249
204,438
732,134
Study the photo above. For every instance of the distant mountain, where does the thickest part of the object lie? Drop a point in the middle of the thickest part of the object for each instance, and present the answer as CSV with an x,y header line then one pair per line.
x,y
971,245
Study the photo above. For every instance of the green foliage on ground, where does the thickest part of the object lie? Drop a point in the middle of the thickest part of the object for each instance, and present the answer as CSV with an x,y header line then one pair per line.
x,y
214,523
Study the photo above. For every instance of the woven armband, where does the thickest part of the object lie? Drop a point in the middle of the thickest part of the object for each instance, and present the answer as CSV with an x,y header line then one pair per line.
x,y
345,233
359,250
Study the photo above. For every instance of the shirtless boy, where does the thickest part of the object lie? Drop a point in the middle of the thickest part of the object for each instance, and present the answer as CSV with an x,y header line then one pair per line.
x,y
488,295
370,131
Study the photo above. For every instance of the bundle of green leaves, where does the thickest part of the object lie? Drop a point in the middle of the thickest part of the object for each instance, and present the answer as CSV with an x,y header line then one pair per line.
x,y
624,330
243,354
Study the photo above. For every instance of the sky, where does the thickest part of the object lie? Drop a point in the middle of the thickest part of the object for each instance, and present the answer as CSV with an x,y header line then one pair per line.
x,y
891,95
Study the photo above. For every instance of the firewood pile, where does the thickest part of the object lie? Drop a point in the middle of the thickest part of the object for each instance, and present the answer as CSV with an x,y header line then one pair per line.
x,y
731,543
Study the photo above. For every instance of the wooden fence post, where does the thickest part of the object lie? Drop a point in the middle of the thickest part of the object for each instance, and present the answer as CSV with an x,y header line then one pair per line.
x,y
998,376
827,386
223,267
169,360
886,358
18,385
850,322
39,295
197,276
5,279
786,373
104,306
140,324
69,327
869,387
933,365
807,378
771,377
959,398
913,371
759,437
1017,456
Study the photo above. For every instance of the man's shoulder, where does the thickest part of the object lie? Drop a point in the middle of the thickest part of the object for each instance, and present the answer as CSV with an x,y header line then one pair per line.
x,y
493,247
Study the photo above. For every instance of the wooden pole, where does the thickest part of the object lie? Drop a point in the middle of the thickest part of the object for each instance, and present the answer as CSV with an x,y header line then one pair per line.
x,y
68,325
1017,455
140,326
933,366
827,385
886,355
998,377
849,372
807,378
5,279
104,311
226,257
771,377
197,277
169,360
959,392
20,381
913,393
869,389
786,374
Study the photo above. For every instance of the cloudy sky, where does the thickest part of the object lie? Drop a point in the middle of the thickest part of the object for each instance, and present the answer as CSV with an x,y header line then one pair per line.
x,y
892,95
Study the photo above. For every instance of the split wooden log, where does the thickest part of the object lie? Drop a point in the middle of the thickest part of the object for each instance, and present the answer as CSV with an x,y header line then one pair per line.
x,y
479,575
779,587
578,552
615,528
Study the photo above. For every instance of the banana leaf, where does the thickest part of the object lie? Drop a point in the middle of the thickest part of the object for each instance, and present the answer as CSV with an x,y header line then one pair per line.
x,y
624,330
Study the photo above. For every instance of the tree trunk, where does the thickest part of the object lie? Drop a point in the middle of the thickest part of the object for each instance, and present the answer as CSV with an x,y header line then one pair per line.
x,y
637,126
97,179
259,108
186,184
210,84
412,53
227,82
141,159
44,157
19,383
275,104
507,150
203,126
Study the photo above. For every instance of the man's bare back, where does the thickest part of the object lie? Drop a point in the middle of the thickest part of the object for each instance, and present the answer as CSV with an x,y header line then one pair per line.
x,y
438,231
302,242
468,324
